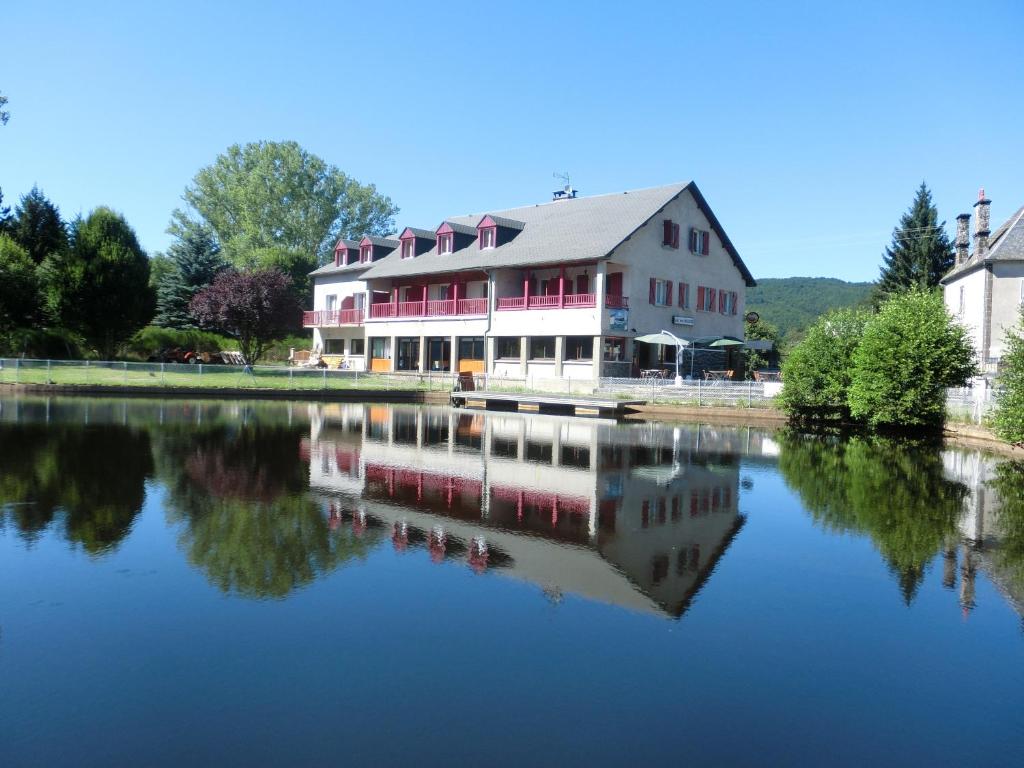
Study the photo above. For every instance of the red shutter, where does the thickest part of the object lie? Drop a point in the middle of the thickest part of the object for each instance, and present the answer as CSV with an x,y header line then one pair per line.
x,y
721,302
653,289
700,297
706,244
666,238
712,299
668,293
735,302
681,305
675,235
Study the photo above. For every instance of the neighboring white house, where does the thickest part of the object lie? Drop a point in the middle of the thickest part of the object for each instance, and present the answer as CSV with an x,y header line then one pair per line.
x,y
555,290
985,289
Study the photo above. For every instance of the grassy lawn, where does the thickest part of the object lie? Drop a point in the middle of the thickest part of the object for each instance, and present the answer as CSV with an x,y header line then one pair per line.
x,y
77,373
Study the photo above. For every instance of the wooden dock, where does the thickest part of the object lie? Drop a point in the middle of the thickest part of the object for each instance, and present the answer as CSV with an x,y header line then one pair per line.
x,y
537,403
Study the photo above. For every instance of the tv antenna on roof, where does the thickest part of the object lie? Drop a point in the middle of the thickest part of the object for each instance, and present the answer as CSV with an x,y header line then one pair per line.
x,y
566,192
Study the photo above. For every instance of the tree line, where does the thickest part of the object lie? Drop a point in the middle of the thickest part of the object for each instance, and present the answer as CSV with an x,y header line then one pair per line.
x,y
253,224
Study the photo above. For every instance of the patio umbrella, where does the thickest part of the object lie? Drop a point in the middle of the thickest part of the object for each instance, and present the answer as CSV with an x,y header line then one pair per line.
x,y
727,341
667,339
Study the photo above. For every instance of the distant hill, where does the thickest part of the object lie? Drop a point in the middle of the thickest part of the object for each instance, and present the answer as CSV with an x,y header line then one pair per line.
x,y
792,304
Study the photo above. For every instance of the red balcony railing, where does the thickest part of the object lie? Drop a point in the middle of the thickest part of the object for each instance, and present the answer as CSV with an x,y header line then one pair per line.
x,y
616,302
324,317
430,308
568,301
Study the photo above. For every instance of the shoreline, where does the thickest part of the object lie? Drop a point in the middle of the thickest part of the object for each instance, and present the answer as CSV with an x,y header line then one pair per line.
x,y
966,435
434,396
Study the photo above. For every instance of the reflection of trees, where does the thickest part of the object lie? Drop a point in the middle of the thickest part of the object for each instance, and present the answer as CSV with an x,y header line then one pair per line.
x,y
241,494
1008,555
893,491
90,478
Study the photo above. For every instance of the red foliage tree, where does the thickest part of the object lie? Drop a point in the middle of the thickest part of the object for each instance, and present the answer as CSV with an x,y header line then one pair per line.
x,y
252,307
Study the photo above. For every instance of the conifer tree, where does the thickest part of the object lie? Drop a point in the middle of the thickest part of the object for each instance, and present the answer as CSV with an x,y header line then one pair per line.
x,y
195,259
920,253
37,226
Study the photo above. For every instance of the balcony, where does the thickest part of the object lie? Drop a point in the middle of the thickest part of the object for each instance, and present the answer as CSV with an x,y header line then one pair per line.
x,y
568,301
322,318
428,308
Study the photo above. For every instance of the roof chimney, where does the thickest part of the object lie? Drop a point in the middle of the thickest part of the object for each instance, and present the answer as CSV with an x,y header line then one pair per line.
x,y
963,237
981,231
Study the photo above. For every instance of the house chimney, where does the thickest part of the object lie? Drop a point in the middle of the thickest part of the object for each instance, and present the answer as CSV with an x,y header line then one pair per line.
x,y
981,231
963,238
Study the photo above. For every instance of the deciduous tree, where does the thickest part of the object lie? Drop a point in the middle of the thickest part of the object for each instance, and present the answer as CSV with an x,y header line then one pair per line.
x,y
817,372
250,307
19,288
910,353
1009,416
99,287
273,204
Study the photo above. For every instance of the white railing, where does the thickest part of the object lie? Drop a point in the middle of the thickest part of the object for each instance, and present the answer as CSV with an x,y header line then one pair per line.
x,y
745,394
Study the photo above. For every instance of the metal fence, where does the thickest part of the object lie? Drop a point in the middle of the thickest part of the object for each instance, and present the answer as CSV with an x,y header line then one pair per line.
x,y
970,404
215,376
742,394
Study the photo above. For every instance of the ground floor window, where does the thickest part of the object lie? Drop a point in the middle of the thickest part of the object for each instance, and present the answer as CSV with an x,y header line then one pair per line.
x,y
439,353
471,348
358,347
508,347
408,354
334,346
579,347
542,347
614,348
380,348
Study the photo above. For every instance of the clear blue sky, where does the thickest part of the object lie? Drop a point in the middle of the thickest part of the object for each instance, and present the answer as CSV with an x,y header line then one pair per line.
x,y
807,125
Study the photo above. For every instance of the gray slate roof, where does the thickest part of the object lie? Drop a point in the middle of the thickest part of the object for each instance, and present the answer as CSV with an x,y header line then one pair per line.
x,y
1005,244
330,269
426,234
560,231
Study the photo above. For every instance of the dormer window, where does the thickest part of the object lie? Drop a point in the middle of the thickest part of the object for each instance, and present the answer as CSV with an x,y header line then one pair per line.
x,y
408,248
488,237
366,253
445,243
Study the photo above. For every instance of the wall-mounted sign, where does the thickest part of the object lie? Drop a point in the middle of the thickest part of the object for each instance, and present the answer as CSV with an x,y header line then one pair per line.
x,y
618,319
681,320
752,317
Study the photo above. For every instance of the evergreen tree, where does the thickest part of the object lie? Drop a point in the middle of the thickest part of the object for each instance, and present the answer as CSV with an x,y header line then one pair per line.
x,y
195,259
99,286
921,252
1009,415
5,215
38,227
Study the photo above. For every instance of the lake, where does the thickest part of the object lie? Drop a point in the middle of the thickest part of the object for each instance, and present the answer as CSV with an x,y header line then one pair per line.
x,y
266,583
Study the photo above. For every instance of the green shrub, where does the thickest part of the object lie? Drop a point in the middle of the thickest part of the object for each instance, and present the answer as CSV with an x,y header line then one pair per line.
x,y
909,354
43,344
151,339
278,351
817,372
1008,419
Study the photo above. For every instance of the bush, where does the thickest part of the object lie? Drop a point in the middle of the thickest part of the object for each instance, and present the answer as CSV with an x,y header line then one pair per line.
x,y
817,372
152,339
910,353
44,344
1008,419
277,351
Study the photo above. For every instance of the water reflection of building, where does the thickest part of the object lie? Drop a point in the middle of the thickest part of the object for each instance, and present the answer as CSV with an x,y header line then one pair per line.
x,y
982,532
636,516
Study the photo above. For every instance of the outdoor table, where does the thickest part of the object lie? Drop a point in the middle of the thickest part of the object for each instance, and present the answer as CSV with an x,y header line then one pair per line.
x,y
652,373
